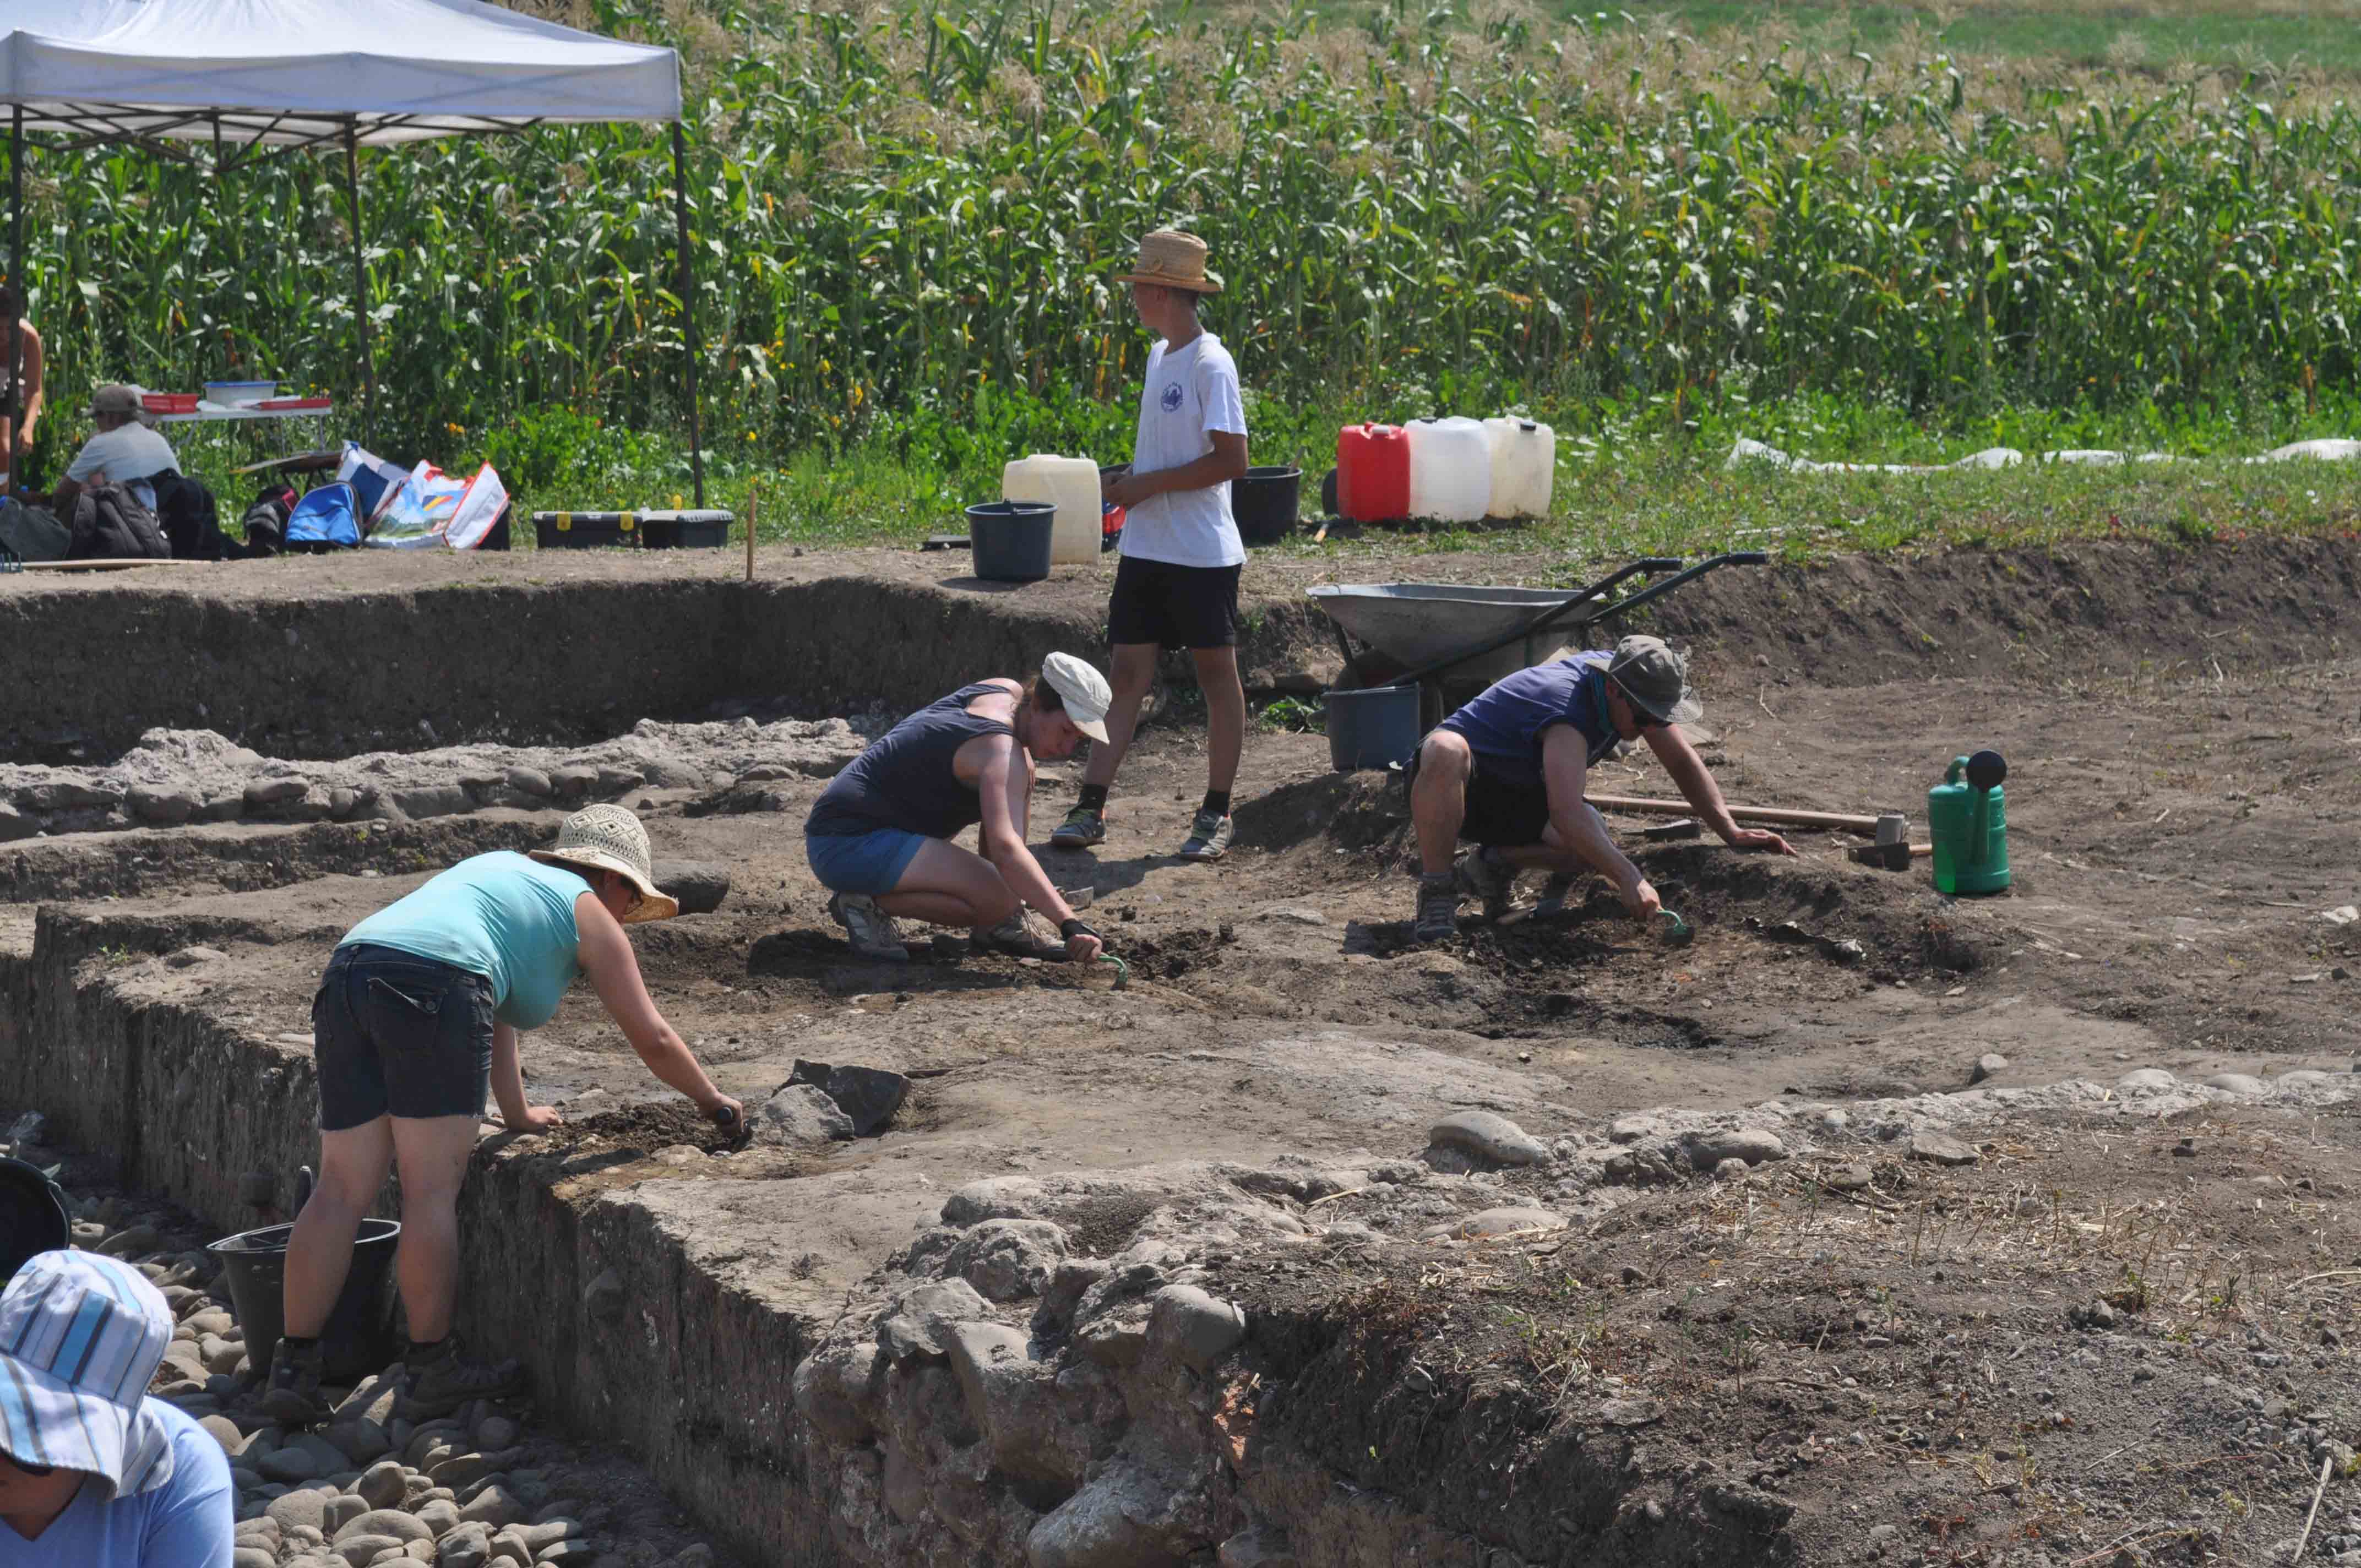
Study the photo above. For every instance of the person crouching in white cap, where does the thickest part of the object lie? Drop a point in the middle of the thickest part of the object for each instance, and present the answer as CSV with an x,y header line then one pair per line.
x,y
879,837
94,1474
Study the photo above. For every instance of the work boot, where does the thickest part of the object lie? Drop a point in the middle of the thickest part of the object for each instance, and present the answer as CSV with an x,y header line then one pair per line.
x,y
1438,908
439,1380
292,1397
1083,827
871,930
1209,838
1022,935
1555,893
1491,880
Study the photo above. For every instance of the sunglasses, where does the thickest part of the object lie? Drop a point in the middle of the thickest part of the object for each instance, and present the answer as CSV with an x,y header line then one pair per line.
x,y
1641,715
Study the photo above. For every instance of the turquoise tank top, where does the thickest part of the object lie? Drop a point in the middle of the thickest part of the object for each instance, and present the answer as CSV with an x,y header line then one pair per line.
x,y
503,915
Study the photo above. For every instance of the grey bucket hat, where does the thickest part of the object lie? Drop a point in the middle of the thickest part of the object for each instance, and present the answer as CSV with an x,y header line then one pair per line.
x,y
1655,678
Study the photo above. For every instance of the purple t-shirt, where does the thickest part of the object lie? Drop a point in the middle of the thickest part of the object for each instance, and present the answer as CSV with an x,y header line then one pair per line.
x,y
1504,726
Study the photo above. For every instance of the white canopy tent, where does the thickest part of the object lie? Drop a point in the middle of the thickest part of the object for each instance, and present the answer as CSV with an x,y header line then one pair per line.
x,y
257,78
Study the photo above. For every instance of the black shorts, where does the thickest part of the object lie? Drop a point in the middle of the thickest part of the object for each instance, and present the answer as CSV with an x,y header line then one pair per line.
x,y
1502,810
1173,606
396,1033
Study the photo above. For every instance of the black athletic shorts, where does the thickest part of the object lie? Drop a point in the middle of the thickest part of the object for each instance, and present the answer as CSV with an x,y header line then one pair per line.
x,y
1502,810
1173,606
396,1033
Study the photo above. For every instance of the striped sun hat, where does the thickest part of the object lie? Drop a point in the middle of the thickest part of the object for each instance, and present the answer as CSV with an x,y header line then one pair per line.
x,y
80,1337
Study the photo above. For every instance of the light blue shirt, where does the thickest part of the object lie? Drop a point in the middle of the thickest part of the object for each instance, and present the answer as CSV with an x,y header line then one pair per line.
x,y
187,1522
503,915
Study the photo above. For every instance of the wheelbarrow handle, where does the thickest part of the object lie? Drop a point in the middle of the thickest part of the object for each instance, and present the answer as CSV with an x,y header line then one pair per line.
x,y
1749,558
1556,613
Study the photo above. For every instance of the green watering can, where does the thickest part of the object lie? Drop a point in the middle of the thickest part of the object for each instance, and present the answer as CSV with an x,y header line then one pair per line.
x,y
1968,819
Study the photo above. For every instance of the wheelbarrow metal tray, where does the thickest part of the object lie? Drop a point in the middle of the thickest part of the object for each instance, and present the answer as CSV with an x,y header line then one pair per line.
x,y
1419,623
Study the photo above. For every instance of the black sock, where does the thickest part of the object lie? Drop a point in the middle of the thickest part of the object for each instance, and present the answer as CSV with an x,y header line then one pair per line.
x,y
1217,801
1092,798
422,1350
298,1343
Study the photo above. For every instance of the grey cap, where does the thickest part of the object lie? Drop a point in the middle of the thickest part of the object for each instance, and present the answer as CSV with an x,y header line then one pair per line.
x,y
1655,678
119,398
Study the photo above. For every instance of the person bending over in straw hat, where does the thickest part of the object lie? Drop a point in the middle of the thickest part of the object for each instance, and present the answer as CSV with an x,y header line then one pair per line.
x,y
1509,770
1177,585
94,1473
421,1007
879,837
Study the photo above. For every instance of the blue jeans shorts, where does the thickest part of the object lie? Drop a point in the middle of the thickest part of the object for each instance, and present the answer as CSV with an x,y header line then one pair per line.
x,y
862,863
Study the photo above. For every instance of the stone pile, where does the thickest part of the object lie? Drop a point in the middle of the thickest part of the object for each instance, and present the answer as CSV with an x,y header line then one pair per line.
x,y
176,776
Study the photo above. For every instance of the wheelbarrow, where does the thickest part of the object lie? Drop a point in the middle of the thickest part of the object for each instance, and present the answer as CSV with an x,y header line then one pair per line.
x,y
1441,636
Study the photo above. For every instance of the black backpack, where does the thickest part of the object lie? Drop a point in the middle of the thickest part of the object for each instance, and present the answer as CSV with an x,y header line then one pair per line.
x,y
266,522
185,510
110,524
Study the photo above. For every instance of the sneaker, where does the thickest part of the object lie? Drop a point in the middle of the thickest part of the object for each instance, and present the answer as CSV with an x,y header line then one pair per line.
x,y
1555,893
1083,827
1495,883
871,930
1209,838
443,1382
292,1397
1022,934
1438,909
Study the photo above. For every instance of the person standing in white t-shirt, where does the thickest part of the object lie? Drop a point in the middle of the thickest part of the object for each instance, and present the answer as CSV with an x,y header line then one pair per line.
x,y
1177,585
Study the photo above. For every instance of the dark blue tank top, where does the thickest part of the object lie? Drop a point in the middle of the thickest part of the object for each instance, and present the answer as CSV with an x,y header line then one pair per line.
x,y
1507,723
905,780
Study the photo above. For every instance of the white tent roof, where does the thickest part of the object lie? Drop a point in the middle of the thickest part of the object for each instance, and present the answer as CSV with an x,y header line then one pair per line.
x,y
293,71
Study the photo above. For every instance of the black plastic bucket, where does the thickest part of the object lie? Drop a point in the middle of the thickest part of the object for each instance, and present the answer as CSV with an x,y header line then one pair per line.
x,y
32,1216
358,1339
1374,727
1263,503
1010,539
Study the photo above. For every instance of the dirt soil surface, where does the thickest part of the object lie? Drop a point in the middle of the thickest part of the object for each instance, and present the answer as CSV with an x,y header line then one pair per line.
x,y
1846,1354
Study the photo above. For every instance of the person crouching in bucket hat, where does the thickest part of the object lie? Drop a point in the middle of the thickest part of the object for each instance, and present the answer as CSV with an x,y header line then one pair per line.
x,y
94,1473
419,1012
879,838
1509,771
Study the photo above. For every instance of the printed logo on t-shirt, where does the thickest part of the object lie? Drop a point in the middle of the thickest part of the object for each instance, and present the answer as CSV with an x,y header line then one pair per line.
x,y
1171,398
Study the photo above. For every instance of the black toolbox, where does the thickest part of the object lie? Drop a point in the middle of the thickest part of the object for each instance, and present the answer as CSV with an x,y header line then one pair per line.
x,y
583,529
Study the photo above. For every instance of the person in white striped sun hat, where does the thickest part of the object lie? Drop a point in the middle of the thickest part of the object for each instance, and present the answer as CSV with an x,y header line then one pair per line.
x,y
94,1473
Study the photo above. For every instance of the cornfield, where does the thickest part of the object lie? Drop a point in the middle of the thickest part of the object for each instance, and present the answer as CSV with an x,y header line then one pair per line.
x,y
901,210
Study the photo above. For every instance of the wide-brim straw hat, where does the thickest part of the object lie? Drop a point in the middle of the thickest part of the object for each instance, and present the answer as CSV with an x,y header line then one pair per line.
x,y
609,838
1171,259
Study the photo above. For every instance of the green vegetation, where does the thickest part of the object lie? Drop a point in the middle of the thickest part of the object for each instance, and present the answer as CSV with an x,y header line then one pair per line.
x,y
1655,240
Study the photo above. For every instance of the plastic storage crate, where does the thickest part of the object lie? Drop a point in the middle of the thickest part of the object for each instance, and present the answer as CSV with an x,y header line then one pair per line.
x,y
684,530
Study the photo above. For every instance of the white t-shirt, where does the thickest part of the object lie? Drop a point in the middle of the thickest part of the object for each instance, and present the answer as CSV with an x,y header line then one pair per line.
x,y
128,456
1191,391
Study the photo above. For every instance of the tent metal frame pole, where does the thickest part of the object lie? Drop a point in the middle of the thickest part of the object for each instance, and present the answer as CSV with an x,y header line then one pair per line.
x,y
15,406
688,307
360,287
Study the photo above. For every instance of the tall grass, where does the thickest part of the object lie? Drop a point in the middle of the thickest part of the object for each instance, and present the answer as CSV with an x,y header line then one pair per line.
x,y
906,213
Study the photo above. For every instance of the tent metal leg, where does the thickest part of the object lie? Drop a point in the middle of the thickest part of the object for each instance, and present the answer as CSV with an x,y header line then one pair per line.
x,y
687,305
16,403
360,287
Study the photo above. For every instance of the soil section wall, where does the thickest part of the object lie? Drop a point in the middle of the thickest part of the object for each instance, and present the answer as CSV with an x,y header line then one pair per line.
x,y
294,660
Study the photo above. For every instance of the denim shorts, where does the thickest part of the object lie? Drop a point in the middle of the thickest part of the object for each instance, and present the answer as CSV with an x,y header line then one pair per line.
x,y
868,863
395,1034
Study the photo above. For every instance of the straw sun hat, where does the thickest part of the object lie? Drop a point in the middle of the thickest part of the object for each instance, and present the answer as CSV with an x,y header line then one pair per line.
x,y
609,838
1172,259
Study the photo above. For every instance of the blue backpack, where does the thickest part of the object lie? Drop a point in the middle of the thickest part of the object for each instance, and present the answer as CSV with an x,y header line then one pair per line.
x,y
324,520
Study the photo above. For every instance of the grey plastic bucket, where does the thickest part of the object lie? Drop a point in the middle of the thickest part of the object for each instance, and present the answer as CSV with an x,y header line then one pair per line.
x,y
1011,539
1374,727
358,1339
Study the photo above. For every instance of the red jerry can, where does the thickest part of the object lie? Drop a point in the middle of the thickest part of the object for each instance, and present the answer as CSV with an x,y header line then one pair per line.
x,y
1372,473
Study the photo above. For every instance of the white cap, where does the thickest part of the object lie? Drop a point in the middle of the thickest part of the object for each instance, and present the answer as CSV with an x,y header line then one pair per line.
x,y
1083,691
